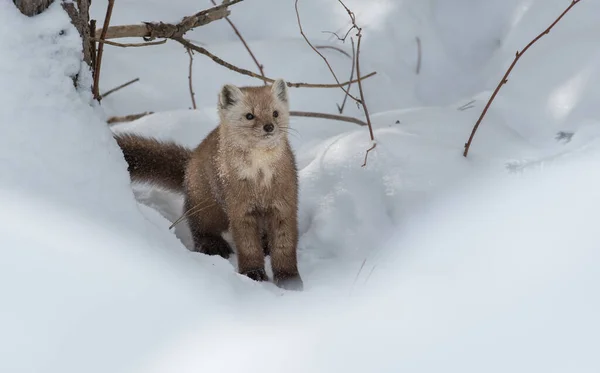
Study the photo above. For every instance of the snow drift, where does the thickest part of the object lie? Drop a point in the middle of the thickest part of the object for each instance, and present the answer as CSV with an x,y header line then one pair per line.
x,y
422,261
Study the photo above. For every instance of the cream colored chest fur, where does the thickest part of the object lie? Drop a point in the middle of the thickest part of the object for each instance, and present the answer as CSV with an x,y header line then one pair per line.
x,y
258,165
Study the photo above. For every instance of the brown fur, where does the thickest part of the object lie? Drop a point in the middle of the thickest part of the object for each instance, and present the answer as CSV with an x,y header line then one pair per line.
x,y
155,162
240,178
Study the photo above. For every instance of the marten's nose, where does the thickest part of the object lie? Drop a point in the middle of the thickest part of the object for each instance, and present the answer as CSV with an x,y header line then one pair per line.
x,y
268,127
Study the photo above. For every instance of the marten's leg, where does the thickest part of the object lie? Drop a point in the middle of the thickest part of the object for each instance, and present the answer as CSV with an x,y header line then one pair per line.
x,y
207,221
282,235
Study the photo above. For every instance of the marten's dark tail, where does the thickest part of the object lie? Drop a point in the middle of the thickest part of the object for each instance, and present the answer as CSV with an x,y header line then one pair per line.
x,y
155,162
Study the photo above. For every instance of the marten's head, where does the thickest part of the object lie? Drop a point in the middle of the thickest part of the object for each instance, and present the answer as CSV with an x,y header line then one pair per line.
x,y
255,116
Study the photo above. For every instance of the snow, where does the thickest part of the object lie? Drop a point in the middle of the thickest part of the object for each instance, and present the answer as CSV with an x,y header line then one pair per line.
x,y
421,261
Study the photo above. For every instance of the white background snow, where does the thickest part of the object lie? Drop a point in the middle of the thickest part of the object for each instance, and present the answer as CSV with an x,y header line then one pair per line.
x,y
424,261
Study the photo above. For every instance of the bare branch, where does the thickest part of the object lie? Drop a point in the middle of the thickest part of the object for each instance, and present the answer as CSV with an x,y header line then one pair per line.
x,y
342,118
466,106
367,154
341,108
93,46
192,94
119,87
95,88
239,35
162,30
334,48
128,118
504,79
418,68
358,274
360,79
340,38
226,64
134,45
362,96
321,55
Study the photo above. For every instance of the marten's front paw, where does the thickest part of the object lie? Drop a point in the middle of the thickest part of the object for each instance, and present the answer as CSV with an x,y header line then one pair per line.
x,y
289,282
257,274
214,245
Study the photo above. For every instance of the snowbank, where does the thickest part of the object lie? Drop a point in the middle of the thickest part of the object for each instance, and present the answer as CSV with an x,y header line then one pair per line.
x,y
499,276
422,261
87,275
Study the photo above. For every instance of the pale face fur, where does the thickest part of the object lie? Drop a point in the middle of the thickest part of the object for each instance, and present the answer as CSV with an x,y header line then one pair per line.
x,y
266,105
254,121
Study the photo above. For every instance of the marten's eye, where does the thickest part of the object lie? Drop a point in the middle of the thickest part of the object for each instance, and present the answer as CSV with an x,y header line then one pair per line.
x,y
275,114
249,116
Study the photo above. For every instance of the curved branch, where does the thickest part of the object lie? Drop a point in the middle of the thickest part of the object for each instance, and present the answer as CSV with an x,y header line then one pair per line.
x,y
226,64
239,35
343,118
347,91
504,79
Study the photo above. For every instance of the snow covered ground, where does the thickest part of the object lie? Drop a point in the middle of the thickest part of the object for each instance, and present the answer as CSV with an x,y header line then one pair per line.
x,y
423,261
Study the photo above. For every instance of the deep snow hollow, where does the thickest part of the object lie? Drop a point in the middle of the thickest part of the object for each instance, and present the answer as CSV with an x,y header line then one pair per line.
x,y
422,261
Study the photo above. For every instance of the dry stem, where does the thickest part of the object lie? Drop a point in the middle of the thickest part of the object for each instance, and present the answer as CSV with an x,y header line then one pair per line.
x,y
221,62
512,65
342,118
134,45
360,87
119,87
341,108
192,94
335,49
321,55
418,68
239,35
93,47
95,88
360,79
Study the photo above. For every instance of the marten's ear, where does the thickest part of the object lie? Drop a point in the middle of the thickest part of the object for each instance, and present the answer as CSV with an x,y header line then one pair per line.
x,y
229,96
279,90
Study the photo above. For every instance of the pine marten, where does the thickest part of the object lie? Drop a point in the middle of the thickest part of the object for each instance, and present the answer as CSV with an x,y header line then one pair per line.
x,y
242,177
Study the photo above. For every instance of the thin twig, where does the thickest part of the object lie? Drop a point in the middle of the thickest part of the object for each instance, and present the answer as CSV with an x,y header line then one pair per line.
x,y
362,97
119,87
340,38
360,87
226,64
192,94
342,118
358,274
128,118
194,210
512,65
160,30
341,108
239,35
370,273
96,88
367,154
134,45
418,68
321,55
466,106
93,46
334,48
